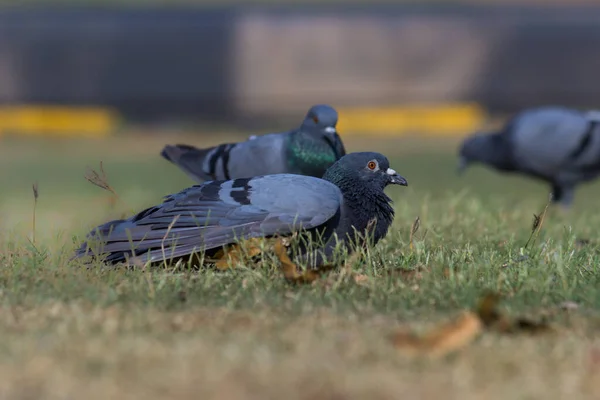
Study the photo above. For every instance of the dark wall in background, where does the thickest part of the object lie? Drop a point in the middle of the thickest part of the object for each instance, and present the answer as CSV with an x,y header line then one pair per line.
x,y
230,63
148,63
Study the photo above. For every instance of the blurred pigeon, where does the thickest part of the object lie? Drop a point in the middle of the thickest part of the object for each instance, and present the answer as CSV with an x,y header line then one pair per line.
x,y
555,144
307,150
207,217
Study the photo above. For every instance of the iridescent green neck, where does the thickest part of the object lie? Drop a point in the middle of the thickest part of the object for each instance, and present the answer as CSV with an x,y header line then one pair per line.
x,y
309,154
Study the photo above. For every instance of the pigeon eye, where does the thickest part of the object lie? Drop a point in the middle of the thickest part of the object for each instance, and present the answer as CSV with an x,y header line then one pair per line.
x,y
372,165
314,118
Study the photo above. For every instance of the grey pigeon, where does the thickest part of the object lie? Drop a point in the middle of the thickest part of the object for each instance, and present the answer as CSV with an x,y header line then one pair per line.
x,y
556,144
206,217
307,150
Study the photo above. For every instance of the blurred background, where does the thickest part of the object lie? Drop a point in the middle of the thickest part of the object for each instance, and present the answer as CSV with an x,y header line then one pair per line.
x,y
114,81
255,65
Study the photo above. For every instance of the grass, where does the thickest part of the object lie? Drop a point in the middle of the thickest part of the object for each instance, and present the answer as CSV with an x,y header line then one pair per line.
x,y
69,332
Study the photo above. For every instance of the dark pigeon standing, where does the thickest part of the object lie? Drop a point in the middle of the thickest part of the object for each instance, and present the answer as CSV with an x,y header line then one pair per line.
x,y
555,144
307,150
207,217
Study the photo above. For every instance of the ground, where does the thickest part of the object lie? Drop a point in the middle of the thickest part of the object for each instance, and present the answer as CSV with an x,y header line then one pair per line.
x,y
74,333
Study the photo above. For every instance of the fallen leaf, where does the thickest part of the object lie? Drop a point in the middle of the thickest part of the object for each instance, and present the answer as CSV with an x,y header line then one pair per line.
x,y
458,333
487,311
487,308
442,340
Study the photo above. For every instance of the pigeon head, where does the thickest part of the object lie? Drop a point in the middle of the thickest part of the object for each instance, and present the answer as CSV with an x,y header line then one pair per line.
x,y
362,178
321,117
486,148
473,149
367,169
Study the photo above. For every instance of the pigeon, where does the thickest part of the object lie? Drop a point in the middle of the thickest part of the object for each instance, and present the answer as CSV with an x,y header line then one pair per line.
x,y
558,145
338,209
307,150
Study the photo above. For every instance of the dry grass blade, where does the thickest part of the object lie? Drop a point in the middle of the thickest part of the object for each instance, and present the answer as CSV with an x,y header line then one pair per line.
x,y
36,192
442,340
413,230
36,195
165,236
150,282
99,179
370,230
538,222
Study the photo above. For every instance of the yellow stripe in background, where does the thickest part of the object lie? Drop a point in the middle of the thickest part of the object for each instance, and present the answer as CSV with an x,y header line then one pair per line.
x,y
40,120
436,120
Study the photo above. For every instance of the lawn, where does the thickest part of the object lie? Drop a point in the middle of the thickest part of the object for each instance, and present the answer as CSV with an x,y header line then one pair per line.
x,y
69,332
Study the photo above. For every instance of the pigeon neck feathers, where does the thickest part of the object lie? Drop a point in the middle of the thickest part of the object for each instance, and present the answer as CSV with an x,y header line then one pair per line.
x,y
308,153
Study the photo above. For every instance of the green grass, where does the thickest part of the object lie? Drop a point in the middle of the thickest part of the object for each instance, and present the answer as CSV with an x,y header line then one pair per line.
x,y
100,333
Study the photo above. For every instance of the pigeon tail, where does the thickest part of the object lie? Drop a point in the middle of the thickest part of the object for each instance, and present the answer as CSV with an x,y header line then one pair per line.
x,y
191,160
101,231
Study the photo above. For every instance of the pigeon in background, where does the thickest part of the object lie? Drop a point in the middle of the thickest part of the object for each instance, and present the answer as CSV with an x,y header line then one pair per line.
x,y
556,144
307,150
204,218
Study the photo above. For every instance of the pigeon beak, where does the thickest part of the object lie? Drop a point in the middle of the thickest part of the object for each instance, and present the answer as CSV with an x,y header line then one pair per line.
x,y
334,141
463,163
395,179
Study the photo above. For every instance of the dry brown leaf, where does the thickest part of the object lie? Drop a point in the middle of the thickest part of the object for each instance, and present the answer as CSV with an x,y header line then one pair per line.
x,y
487,308
487,311
458,333
442,340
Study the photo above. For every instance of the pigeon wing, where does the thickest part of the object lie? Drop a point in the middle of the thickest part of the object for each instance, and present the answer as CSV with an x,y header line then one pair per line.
x,y
219,213
545,140
261,155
